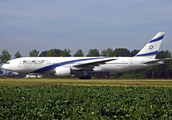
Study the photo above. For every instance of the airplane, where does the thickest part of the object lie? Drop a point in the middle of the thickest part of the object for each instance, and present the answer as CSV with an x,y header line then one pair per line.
x,y
67,66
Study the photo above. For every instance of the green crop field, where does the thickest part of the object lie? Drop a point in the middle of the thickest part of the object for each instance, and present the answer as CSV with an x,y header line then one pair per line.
x,y
85,99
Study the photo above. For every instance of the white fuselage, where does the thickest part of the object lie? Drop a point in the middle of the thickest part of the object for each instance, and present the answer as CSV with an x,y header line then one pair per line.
x,y
49,64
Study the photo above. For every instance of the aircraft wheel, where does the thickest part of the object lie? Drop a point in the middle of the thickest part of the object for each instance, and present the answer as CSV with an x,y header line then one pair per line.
x,y
85,77
82,77
88,77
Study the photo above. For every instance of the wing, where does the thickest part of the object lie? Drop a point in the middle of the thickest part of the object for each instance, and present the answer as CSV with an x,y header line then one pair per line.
x,y
156,60
92,64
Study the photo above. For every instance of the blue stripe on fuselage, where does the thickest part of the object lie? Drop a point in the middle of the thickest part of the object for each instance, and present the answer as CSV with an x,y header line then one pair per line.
x,y
148,54
157,39
46,68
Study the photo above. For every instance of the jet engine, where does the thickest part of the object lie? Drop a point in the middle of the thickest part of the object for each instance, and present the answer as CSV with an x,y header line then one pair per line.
x,y
63,71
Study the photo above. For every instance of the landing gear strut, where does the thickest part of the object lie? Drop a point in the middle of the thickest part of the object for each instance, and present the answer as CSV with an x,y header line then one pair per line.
x,y
85,75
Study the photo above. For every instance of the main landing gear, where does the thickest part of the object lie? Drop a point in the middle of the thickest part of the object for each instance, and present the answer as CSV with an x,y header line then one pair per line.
x,y
85,75
17,77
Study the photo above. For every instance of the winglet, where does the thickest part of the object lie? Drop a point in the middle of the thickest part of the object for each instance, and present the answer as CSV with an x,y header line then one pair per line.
x,y
151,48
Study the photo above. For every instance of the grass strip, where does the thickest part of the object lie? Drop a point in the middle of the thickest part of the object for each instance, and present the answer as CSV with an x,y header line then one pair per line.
x,y
92,82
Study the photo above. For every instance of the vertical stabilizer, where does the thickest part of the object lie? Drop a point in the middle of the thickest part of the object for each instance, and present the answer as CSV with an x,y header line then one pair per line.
x,y
151,49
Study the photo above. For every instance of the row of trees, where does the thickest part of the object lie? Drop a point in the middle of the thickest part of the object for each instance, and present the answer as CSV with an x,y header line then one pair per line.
x,y
163,71
91,53
109,52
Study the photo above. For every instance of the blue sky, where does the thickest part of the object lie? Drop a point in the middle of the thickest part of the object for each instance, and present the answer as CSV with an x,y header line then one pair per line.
x,y
78,24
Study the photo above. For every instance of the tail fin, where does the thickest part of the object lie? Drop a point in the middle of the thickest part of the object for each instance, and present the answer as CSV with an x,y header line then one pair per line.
x,y
151,49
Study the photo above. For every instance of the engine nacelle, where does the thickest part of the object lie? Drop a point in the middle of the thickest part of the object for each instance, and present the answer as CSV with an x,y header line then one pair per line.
x,y
63,71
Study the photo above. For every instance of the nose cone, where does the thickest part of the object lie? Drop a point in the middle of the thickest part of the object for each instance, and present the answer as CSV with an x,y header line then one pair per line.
x,y
6,66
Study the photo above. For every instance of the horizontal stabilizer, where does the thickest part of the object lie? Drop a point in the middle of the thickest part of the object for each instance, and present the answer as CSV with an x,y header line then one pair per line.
x,y
156,60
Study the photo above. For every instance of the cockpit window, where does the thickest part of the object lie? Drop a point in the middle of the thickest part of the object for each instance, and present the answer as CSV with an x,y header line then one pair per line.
x,y
8,63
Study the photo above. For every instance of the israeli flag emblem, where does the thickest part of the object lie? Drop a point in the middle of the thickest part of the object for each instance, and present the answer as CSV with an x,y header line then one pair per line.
x,y
151,47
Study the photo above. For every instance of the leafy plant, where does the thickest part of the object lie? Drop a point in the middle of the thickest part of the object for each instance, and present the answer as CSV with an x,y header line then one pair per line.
x,y
85,102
